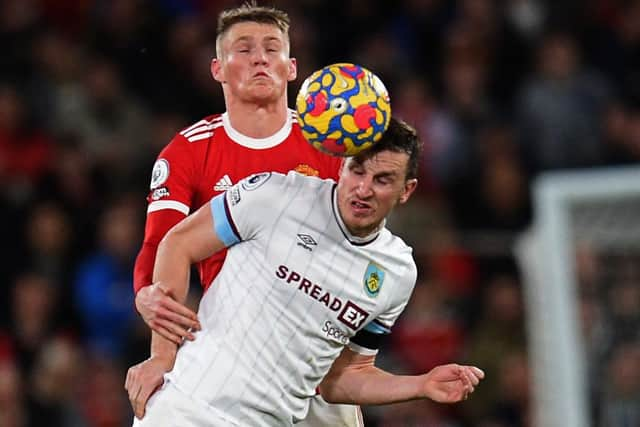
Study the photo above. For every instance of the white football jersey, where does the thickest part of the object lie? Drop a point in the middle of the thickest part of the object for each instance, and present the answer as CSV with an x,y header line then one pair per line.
x,y
296,287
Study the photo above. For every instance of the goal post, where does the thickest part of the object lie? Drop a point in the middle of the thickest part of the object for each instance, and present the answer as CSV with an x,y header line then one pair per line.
x,y
597,206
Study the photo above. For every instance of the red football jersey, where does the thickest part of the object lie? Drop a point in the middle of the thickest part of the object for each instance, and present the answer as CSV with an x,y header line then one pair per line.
x,y
206,159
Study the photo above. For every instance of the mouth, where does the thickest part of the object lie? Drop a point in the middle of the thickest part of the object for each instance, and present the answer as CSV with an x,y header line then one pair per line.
x,y
360,208
261,75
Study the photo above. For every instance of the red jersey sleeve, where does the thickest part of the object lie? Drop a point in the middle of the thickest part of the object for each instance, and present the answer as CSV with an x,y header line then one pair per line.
x,y
170,199
157,225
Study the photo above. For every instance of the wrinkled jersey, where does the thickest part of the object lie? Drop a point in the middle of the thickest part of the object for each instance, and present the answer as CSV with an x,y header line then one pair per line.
x,y
295,288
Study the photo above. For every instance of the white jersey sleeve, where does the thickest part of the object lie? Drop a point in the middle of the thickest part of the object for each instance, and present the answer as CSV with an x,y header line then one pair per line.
x,y
247,207
397,253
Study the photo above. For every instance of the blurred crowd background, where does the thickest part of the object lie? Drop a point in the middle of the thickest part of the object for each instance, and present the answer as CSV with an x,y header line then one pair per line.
x,y
500,91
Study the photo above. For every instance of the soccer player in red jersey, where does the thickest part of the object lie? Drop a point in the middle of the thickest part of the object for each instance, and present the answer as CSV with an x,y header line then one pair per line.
x,y
258,132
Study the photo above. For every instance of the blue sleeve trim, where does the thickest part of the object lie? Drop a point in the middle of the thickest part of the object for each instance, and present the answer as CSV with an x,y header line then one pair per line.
x,y
376,327
224,227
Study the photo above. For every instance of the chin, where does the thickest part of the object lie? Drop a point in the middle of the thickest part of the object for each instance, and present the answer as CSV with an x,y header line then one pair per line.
x,y
362,226
263,95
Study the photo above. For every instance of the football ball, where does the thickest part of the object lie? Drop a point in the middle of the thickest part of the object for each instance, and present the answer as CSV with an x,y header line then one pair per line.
x,y
343,109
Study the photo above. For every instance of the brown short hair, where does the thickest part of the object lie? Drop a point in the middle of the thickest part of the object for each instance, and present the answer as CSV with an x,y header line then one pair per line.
x,y
400,138
251,12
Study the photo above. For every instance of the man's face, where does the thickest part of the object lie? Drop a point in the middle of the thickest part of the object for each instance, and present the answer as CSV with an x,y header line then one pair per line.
x,y
254,63
368,191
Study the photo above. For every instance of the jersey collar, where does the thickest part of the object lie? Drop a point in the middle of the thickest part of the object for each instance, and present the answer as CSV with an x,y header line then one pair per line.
x,y
257,143
354,240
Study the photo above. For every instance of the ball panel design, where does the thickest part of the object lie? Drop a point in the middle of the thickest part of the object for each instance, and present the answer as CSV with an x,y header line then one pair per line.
x,y
343,109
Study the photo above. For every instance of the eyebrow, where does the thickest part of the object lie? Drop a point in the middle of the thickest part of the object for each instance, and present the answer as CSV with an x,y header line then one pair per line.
x,y
385,174
355,164
251,38
242,39
271,39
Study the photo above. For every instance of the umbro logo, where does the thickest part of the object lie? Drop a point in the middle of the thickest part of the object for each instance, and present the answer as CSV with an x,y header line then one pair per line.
x,y
306,241
223,184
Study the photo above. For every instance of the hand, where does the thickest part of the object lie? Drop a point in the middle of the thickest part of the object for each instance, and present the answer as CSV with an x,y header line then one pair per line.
x,y
451,383
143,380
165,315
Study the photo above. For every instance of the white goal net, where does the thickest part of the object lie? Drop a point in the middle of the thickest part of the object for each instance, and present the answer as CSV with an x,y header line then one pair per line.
x,y
581,270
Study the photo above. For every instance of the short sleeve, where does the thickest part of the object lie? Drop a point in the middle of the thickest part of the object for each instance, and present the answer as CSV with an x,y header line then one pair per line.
x,y
368,339
172,177
246,208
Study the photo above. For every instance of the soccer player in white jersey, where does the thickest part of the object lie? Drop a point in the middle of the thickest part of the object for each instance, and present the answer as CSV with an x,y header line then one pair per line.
x,y
312,279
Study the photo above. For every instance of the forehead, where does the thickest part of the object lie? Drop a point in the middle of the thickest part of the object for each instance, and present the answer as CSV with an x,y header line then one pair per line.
x,y
384,162
254,31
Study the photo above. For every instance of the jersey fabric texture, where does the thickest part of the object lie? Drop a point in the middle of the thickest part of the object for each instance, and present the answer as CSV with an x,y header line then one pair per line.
x,y
296,287
173,408
206,159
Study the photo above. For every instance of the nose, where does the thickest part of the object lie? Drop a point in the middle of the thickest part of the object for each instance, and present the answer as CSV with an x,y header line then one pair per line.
x,y
364,188
259,56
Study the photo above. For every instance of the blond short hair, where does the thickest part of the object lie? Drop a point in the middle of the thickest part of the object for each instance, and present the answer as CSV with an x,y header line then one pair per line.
x,y
250,12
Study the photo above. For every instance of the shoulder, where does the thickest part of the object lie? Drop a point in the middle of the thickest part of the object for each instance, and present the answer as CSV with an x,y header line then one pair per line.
x,y
278,190
299,178
396,258
294,117
192,137
393,241
306,187
202,129
283,183
398,251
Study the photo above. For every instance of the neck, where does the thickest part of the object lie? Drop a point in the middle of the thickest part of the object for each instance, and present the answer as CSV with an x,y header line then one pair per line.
x,y
364,233
255,120
355,235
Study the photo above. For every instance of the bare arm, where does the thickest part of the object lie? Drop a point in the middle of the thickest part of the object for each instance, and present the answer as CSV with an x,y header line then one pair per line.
x,y
191,240
188,242
353,378
159,311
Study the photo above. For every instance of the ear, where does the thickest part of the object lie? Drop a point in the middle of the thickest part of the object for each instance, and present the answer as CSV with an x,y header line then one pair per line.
x,y
293,69
409,188
217,71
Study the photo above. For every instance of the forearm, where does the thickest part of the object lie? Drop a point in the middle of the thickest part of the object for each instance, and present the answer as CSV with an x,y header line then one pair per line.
x,y
143,268
370,386
157,225
172,267
189,241
171,274
163,349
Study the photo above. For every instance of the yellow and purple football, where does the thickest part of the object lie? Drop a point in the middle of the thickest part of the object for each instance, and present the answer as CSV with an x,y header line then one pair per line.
x,y
343,109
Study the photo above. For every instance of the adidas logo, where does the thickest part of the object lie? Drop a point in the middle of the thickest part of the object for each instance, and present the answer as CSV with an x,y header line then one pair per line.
x,y
223,184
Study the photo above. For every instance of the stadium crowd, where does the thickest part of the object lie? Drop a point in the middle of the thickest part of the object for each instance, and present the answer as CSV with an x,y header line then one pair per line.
x,y
500,91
